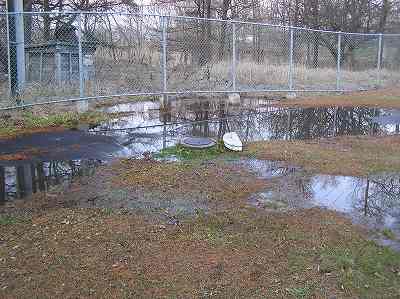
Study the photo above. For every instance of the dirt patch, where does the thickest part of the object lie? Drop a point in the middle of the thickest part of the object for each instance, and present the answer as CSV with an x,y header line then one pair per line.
x,y
349,155
382,98
213,179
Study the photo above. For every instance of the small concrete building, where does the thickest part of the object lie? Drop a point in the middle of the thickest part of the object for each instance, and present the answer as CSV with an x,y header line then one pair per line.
x,y
57,62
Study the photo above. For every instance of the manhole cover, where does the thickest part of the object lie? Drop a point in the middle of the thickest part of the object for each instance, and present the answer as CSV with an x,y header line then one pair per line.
x,y
197,142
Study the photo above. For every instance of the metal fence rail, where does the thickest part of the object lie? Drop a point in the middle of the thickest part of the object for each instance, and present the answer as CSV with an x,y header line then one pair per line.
x,y
78,56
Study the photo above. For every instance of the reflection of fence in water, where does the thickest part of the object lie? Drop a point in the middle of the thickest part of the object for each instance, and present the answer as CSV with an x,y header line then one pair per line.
x,y
23,180
72,55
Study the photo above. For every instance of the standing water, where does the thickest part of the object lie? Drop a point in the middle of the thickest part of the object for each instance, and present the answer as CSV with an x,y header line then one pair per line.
x,y
145,127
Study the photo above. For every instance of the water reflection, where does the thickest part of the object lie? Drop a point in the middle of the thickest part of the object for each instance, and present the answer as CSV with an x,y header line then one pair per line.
x,y
149,128
22,180
372,201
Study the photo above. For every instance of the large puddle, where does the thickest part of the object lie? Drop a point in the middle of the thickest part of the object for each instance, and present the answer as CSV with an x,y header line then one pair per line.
x,y
149,129
373,202
60,158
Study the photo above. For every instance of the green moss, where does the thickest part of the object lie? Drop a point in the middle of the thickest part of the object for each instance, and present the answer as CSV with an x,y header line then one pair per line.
x,y
187,154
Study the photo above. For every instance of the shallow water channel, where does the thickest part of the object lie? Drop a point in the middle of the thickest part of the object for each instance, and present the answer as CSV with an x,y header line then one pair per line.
x,y
60,158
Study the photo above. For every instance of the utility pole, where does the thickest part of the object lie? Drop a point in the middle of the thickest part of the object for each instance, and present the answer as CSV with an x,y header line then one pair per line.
x,y
16,47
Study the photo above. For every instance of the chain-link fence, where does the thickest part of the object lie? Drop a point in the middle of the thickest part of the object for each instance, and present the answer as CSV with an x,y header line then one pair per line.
x,y
62,56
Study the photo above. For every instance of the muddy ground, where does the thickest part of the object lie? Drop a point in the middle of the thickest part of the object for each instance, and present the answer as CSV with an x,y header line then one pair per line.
x,y
142,228
179,230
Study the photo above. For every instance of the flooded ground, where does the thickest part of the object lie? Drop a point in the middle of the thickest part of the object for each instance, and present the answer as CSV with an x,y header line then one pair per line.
x,y
373,202
44,160
149,129
114,221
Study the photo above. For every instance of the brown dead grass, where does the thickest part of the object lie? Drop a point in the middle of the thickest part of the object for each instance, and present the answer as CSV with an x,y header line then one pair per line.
x,y
215,180
349,155
382,98
240,252
89,253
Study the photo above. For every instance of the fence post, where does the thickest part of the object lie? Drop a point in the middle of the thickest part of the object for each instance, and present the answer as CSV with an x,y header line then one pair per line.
x,y
82,105
164,57
10,90
291,60
339,58
379,64
234,57
16,48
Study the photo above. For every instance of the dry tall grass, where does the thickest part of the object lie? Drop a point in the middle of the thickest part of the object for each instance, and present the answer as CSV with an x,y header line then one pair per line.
x,y
124,77
271,76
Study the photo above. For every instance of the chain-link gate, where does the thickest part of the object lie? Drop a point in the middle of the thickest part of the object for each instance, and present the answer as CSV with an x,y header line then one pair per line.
x,y
69,56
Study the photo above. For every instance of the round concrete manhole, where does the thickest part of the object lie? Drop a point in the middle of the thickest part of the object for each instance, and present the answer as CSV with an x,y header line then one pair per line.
x,y
197,142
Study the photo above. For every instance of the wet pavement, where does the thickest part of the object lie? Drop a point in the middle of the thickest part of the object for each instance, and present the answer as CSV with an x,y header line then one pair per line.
x,y
59,158
56,146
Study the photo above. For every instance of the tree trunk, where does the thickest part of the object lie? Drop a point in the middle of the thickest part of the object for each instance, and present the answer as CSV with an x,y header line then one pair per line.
x,y
225,7
46,21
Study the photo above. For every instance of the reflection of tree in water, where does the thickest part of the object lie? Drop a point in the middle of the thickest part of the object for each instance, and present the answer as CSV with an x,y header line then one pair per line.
x,y
292,184
2,184
254,119
381,196
303,186
320,122
23,180
255,122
